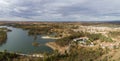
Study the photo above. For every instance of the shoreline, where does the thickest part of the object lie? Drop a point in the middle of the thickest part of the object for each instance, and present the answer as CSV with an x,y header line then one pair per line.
x,y
48,37
55,46
27,55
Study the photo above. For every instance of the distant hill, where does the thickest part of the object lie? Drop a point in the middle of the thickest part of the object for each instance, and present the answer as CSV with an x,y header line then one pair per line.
x,y
111,21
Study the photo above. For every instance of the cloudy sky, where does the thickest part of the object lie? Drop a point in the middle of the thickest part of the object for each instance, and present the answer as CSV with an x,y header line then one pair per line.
x,y
60,10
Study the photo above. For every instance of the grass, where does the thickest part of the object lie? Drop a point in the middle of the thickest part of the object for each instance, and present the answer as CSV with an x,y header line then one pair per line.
x,y
114,33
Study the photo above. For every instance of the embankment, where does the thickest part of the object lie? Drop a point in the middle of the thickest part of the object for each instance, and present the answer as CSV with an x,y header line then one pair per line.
x,y
55,46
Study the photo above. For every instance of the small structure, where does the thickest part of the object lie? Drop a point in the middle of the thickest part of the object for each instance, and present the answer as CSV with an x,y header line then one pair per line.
x,y
81,40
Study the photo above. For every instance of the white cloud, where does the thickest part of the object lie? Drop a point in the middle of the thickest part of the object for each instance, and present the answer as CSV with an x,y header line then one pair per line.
x,y
20,9
60,10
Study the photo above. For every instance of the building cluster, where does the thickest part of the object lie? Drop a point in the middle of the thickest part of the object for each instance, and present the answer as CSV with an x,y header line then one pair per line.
x,y
82,41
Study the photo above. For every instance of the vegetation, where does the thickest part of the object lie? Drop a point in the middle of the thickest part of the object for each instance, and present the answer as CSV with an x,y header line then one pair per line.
x,y
63,30
114,33
77,54
85,54
35,44
5,56
54,29
3,36
106,39
92,37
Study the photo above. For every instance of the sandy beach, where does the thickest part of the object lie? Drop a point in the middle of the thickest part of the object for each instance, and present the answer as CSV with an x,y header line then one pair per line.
x,y
48,37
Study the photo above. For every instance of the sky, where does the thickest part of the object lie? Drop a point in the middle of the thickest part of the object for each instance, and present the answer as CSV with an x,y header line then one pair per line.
x,y
59,10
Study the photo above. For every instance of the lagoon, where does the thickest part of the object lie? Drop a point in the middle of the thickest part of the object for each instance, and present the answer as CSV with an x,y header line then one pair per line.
x,y
19,41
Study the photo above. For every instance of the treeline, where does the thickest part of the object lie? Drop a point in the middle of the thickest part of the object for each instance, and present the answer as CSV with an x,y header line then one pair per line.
x,y
5,56
35,29
75,54
38,28
50,29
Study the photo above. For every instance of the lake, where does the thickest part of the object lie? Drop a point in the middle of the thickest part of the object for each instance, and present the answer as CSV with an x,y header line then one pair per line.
x,y
19,41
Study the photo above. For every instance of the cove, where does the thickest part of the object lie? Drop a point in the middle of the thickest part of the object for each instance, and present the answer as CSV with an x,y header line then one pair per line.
x,y
19,41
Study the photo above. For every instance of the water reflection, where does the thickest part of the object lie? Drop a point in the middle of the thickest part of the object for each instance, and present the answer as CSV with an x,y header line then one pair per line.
x,y
2,42
3,36
35,43
19,41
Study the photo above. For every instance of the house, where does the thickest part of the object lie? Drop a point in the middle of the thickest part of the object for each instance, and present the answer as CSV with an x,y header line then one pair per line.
x,y
81,40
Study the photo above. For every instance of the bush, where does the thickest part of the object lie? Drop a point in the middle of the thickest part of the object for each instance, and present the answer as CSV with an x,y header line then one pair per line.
x,y
114,33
